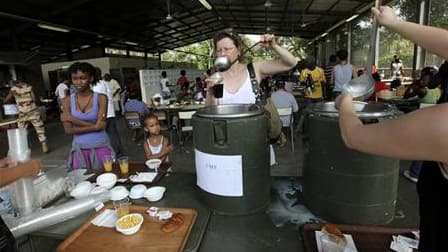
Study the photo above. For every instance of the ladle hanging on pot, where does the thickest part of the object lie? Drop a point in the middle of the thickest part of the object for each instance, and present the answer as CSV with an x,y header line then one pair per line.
x,y
363,86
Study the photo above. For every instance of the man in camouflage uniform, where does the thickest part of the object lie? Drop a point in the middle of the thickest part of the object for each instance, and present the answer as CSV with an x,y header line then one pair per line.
x,y
28,111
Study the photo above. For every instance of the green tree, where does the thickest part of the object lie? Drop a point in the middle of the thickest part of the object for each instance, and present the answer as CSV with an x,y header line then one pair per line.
x,y
201,53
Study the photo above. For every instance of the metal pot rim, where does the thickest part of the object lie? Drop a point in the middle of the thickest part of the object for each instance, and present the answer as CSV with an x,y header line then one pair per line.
x,y
364,109
230,111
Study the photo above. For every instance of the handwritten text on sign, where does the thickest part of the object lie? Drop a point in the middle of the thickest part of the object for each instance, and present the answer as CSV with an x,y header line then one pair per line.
x,y
220,174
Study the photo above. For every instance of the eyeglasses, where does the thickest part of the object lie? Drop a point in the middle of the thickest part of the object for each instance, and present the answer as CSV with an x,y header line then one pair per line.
x,y
225,50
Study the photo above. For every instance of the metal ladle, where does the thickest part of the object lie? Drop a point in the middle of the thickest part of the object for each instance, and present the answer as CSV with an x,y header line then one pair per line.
x,y
223,63
363,86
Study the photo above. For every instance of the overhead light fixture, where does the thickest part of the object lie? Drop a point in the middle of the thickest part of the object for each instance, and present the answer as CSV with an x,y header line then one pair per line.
x,y
205,4
351,18
75,50
65,67
310,43
84,46
52,27
268,4
131,43
324,34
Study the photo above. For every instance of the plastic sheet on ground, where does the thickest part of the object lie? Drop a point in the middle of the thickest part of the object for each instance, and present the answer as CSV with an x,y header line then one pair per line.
x,y
288,205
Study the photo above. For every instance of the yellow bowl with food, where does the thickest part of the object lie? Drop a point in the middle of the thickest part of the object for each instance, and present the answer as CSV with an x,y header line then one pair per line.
x,y
129,224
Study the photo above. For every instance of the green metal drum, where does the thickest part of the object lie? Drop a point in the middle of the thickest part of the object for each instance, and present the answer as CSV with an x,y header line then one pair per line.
x,y
232,158
343,185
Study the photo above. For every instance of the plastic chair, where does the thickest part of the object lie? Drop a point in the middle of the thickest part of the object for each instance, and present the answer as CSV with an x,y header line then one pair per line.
x,y
184,116
134,121
282,112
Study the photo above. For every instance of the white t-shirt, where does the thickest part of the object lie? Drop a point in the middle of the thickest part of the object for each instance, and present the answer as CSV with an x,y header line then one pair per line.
x,y
60,90
102,88
114,86
163,83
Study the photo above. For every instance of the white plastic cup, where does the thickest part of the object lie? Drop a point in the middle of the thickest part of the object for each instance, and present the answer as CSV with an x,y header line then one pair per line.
x,y
18,140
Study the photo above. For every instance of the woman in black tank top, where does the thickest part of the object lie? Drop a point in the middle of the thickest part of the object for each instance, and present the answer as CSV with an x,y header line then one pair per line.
x,y
431,187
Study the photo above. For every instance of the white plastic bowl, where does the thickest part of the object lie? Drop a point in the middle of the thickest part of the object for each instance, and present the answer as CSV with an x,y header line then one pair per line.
x,y
98,190
154,193
137,191
81,190
106,180
153,163
131,230
118,193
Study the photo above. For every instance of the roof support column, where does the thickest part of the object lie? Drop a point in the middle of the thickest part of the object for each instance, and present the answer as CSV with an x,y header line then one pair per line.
x,y
419,52
12,71
349,41
159,59
146,59
377,49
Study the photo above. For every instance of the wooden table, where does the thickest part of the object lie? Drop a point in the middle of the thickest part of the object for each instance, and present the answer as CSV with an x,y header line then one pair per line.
x,y
366,238
180,194
150,237
138,166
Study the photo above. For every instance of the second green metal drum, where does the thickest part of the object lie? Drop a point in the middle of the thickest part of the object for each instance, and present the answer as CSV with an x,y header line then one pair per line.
x,y
343,185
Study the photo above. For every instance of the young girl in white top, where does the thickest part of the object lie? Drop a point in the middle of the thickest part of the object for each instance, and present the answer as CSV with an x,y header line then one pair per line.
x,y
156,146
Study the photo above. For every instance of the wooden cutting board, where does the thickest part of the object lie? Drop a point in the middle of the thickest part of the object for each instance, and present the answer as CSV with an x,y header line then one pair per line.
x,y
149,238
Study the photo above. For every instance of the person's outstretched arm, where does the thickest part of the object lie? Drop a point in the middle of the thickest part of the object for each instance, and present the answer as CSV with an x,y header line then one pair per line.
x,y
285,62
408,137
9,175
431,38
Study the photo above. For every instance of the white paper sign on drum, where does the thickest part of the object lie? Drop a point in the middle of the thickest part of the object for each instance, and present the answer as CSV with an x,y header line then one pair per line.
x,y
219,174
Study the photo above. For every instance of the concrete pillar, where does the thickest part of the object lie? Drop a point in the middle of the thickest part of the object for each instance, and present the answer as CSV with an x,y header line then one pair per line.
x,y
12,71
419,52
146,59
159,59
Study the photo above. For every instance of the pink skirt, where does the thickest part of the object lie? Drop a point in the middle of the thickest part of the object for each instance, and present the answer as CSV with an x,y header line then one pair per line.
x,y
100,152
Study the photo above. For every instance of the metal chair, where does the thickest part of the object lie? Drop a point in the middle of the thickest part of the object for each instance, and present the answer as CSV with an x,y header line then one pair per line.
x,y
184,116
282,112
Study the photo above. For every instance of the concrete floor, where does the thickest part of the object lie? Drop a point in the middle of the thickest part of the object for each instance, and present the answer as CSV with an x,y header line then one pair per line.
x,y
224,233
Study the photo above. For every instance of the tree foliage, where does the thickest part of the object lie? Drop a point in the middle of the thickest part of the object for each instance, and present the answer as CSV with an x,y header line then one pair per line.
x,y
201,53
